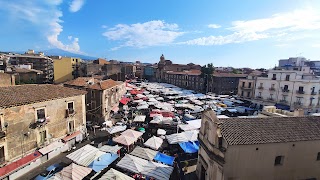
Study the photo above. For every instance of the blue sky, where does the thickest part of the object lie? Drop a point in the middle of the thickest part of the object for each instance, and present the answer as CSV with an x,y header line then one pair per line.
x,y
235,33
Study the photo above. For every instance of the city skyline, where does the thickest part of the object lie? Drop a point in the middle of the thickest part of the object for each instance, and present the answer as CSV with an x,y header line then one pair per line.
x,y
225,34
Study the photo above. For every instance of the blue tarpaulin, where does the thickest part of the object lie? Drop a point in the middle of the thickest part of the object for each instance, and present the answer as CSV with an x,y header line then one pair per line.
x,y
103,161
282,106
164,158
190,147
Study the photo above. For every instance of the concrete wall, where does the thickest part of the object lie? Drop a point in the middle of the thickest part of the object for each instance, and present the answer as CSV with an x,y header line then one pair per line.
x,y
19,119
6,79
63,69
245,162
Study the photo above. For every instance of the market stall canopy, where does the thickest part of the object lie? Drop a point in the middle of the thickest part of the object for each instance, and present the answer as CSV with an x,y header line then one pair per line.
x,y
73,172
143,107
161,132
116,129
190,147
110,149
154,142
51,147
85,155
124,100
103,161
191,125
183,137
139,118
132,133
164,158
115,175
148,168
125,140
144,153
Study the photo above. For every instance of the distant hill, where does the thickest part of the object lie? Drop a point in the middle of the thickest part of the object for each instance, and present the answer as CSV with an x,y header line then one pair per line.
x,y
59,52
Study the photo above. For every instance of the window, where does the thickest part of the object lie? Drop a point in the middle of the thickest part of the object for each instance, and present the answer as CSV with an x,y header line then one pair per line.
x,y
249,85
285,87
284,98
243,83
318,156
41,114
299,99
241,93
287,77
71,126
261,84
2,154
259,94
272,86
300,88
274,76
248,94
70,105
92,94
279,160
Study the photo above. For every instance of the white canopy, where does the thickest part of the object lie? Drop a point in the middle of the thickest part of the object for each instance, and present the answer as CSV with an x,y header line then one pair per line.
x,y
143,107
148,168
154,142
85,155
51,147
116,129
183,137
116,175
191,125
125,140
139,118
159,119
72,172
132,133
110,149
137,101
144,153
161,132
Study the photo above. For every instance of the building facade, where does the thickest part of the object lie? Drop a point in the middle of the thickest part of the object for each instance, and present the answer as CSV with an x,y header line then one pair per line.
x,y
290,89
66,68
186,79
278,148
37,61
32,116
102,98
6,79
224,83
246,87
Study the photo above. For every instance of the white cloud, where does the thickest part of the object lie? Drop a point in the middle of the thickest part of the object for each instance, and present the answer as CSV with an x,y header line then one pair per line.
x,y
45,16
283,26
237,37
150,33
214,26
104,26
76,5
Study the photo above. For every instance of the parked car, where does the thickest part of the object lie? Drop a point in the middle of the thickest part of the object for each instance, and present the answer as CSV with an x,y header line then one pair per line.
x,y
50,171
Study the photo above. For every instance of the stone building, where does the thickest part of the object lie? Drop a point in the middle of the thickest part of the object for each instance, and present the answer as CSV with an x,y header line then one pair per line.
x,y
26,75
66,68
102,98
289,89
6,79
224,83
31,116
278,148
37,61
167,65
185,79
246,87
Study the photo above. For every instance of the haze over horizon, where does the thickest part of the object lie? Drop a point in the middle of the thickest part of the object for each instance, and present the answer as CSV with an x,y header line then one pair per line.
x,y
238,34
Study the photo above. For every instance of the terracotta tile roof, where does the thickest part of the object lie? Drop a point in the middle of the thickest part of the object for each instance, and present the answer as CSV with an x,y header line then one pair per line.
x,y
229,75
245,131
27,94
97,84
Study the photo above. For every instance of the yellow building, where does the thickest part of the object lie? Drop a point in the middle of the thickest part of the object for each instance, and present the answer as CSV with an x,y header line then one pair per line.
x,y
65,68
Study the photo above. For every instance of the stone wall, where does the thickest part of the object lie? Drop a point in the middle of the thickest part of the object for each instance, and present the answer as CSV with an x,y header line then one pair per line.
x,y
6,79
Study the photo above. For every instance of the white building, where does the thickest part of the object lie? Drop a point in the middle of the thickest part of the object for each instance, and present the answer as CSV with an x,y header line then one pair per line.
x,y
289,89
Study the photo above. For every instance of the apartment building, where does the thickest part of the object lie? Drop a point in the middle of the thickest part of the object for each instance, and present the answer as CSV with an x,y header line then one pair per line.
x,y
277,148
37,61
224,83
66,68
102,98
32,116
289,89
246,87
186,79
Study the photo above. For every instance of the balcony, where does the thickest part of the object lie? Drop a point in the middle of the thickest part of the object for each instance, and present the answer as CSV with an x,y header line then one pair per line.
x,y
259,97
300,92
272,89
285,90
313,93
260,87
245,88
70,112
270,99
39,123
274,78
284,101
297,104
